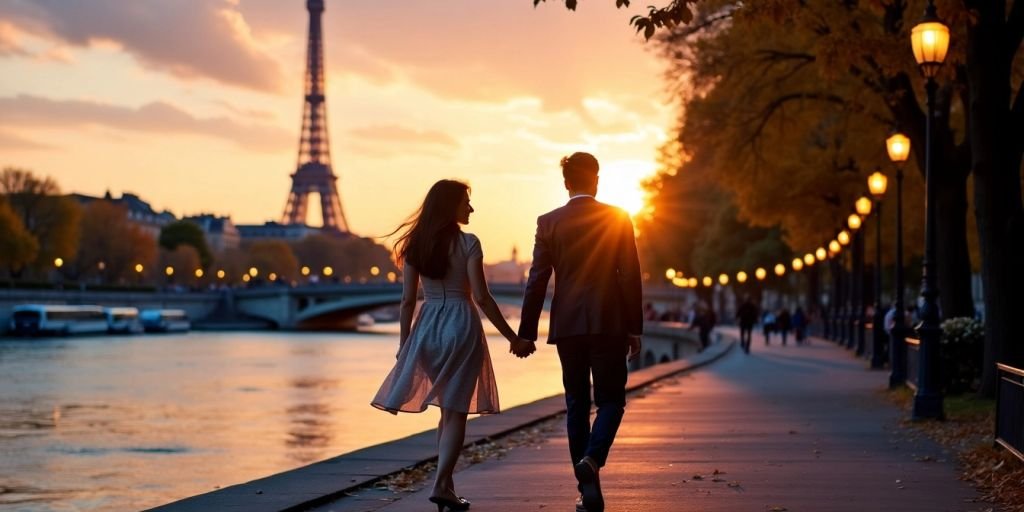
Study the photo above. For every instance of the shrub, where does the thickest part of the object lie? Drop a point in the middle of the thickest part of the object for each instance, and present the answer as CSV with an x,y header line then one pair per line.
x,y
962,351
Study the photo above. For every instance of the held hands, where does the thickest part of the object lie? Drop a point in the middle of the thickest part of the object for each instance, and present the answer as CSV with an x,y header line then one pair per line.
x,y
634,346
521,348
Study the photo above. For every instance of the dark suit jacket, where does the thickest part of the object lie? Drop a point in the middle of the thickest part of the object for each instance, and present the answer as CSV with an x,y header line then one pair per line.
x,y
591,248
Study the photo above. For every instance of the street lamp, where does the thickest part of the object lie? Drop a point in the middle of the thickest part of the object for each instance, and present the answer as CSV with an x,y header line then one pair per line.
x,y
741,277
843,237
898,147
877,184
707,281
834,247
809,259
760,273
854,221
780,269
723,279
863,206
930,40
798,264
821,254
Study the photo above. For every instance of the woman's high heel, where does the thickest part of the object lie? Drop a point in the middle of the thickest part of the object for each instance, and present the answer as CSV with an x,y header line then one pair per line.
x,y
442,503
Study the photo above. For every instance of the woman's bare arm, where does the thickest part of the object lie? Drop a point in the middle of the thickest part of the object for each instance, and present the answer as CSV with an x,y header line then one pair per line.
x,y
482,296
410,288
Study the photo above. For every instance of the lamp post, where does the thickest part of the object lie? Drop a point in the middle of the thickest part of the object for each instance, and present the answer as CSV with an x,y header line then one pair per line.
x,y
835,293
854,222
898,147
847,277
930,41
877,183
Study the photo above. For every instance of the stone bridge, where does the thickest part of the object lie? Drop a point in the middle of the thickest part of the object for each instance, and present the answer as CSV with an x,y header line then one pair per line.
x,y
338,305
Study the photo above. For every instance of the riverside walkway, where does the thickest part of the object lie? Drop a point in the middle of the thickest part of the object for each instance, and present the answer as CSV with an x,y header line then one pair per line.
x,y
795,428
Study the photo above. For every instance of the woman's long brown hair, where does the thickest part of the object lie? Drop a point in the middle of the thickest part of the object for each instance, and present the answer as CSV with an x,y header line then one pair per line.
x,y
429,233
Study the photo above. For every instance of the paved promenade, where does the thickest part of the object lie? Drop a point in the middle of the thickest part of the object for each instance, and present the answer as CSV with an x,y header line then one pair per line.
x,y
796,428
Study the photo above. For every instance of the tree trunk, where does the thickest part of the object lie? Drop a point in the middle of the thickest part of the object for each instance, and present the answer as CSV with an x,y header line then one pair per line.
x,y
954,260
997,190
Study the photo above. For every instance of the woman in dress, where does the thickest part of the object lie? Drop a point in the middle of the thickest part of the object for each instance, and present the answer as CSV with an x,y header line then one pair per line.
x,y
442,356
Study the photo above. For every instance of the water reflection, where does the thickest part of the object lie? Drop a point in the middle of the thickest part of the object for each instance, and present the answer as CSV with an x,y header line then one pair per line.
x,y
126,423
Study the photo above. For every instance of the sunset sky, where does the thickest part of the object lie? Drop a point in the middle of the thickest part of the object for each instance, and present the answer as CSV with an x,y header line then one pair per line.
x,y
195,105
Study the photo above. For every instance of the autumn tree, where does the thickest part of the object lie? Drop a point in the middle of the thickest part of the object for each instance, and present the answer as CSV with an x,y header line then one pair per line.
x,y
18,247
50,217
272,257
188,233
347,256
111,245
183,260
984,76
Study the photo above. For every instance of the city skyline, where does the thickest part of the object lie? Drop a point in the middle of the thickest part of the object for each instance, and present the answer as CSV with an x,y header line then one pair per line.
x,y
205,118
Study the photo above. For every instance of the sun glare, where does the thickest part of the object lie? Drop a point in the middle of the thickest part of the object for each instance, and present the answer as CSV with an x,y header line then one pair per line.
x,y
620,184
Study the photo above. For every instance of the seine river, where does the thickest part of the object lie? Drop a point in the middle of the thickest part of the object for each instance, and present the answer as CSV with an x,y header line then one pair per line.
x,y
125,423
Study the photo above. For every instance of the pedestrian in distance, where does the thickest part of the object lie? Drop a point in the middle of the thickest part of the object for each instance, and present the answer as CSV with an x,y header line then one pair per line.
x,y
746,317
767,326
799,325
596,315
442,357
783,324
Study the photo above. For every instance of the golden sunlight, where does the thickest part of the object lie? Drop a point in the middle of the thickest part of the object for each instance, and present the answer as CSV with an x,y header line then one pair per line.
x,y
622,184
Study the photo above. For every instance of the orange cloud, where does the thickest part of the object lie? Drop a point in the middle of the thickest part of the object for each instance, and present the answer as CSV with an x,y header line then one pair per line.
x,y
13,141
186,38
156,117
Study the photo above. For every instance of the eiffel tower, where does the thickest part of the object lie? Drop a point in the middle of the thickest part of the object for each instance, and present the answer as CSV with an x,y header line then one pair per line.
x,y
314,173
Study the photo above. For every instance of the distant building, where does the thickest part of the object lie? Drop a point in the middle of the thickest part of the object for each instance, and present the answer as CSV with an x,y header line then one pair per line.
x,y
275,231
506,272
139,211
220,232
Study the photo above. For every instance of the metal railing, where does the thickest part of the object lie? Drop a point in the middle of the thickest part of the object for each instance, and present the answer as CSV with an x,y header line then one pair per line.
x,y
913,359
1010,409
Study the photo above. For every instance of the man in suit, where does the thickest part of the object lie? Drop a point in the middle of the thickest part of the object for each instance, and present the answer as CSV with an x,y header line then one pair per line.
x,y
596,314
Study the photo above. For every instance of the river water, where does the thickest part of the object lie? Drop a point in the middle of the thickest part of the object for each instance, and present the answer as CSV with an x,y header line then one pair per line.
x,y
125,423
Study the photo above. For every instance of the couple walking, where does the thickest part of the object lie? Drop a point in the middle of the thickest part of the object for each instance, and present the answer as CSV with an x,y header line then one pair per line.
x,y
596,322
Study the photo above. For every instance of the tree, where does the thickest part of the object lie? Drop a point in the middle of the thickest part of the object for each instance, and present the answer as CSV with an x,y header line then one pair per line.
x,y
351,256
184,232
51,218
273,257
183,260
18,247
985,71
111,245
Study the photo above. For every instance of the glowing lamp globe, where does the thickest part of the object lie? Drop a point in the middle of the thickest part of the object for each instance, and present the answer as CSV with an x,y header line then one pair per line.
x,y
780,269
930,41
760,274
707,281
844,237
821,254
741,277
863,206
853,221
798,264
723,279
898,147
877,183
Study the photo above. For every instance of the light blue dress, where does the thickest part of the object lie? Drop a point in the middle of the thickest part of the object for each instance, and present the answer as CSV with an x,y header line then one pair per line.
x,y
445,361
